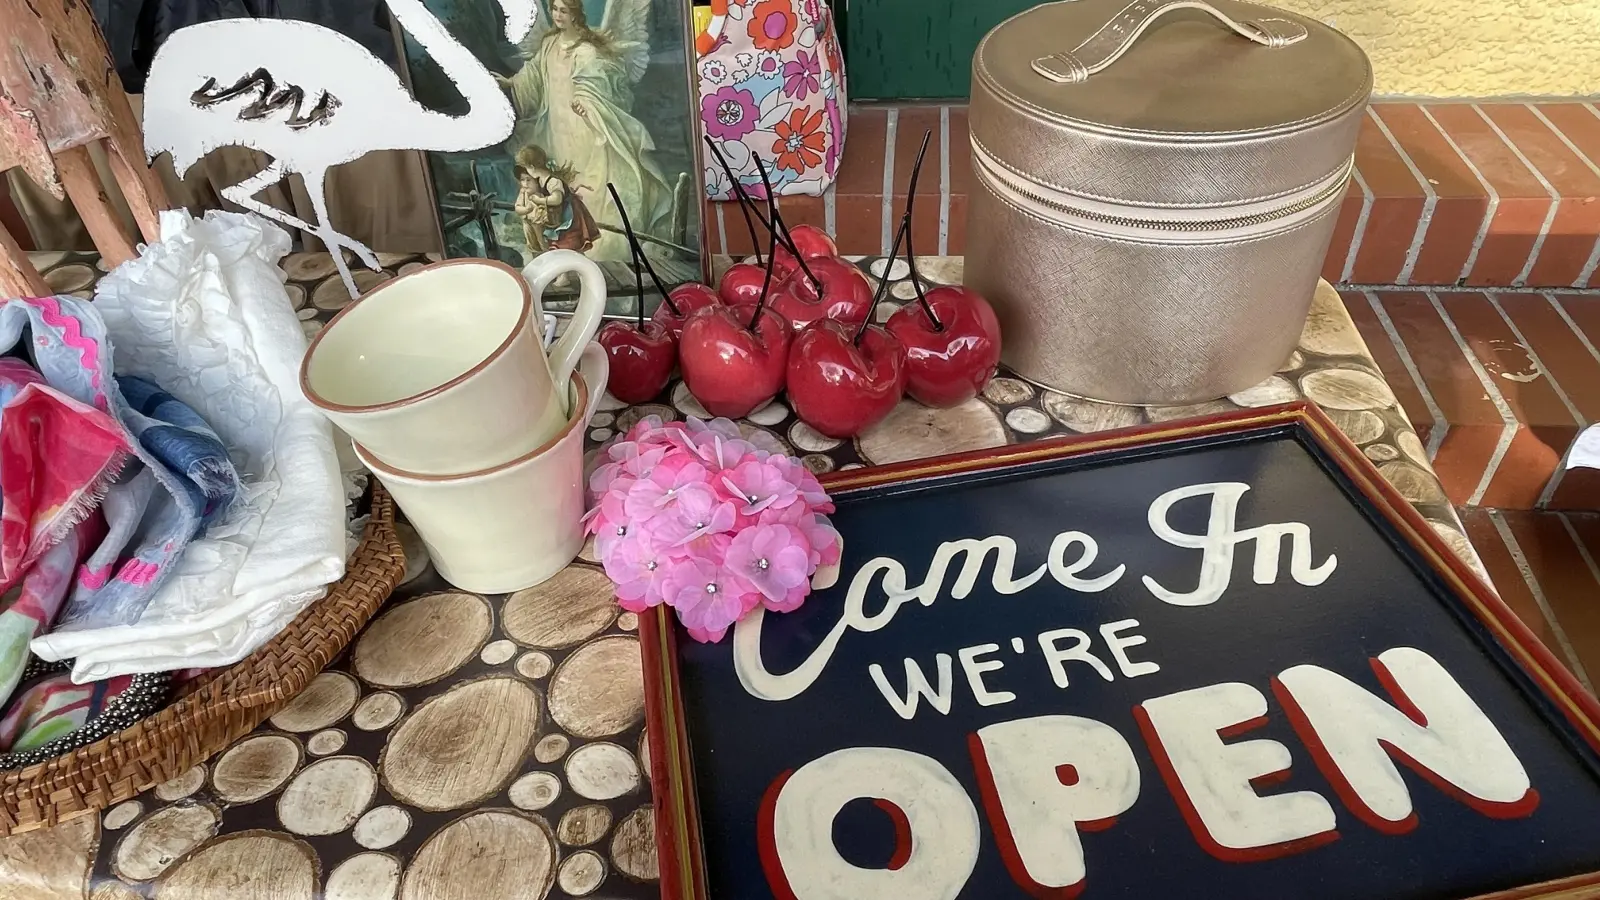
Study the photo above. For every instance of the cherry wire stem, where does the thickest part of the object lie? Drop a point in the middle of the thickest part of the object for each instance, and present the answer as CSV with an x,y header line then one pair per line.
x,y
776,224
638,287
911,253
638,271
883,283
745,204
903,233
766,280
639,259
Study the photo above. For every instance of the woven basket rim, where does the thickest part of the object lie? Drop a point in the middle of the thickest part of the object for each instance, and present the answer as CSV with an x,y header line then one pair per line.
x,y
219,707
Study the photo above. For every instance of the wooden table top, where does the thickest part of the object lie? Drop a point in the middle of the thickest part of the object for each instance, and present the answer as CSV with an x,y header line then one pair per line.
x,y
482,747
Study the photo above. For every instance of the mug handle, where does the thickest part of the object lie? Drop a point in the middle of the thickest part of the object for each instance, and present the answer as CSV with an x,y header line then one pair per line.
x,y
595,365
544,269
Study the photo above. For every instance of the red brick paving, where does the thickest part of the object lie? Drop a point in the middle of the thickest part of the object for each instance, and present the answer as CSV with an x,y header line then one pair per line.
x,y
1513,239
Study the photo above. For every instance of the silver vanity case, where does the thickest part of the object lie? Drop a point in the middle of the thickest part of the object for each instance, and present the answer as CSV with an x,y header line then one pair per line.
x,y
1156,185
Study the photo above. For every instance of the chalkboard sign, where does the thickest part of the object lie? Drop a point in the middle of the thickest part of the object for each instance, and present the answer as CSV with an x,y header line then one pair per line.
x,y
1216,659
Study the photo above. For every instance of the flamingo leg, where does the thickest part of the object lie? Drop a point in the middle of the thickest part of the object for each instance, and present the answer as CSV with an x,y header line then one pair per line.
x,y
336,242
244,194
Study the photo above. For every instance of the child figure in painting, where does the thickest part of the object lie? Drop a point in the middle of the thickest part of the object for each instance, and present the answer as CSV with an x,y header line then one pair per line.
x,y
553,216
535,206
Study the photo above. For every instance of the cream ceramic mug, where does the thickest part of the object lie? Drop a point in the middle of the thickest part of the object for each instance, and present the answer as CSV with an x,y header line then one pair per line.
x,y
442,370
513,525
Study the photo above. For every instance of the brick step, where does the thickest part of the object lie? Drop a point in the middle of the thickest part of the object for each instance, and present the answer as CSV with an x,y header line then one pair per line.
x,y
1490,194
1543,565
1497,382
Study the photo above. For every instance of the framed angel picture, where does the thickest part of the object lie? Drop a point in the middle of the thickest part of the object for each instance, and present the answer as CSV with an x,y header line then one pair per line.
x,y
602,93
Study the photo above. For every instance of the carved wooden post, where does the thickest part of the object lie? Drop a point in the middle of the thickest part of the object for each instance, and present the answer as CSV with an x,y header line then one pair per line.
x,y
89,198
21,144
59,93
18,277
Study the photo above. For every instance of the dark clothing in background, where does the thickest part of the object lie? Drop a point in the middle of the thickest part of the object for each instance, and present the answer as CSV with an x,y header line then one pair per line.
x,y
134,29
383,199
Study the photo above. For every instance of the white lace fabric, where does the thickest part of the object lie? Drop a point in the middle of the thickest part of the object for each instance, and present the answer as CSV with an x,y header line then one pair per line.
x,y
204,314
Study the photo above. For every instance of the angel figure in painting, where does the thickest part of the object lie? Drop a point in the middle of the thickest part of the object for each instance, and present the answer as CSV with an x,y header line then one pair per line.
x,y
553,216
574,99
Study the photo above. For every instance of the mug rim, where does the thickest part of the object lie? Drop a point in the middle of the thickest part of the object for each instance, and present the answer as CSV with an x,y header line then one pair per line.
x,y
580,406
322,402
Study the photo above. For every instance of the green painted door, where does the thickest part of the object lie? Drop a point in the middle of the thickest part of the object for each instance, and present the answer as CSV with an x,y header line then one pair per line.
x,y
916,49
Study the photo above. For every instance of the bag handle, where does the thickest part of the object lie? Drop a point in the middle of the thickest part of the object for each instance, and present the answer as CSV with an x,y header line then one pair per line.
x,y
1102,48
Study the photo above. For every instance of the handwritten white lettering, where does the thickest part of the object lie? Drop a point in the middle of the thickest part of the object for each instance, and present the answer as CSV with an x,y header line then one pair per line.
x,y
917,686
1057,657
975,669
937,833
1216,782
1221,536
1440,730
973,553
891,575
1111,633
1066,575
1044,779
752,672
1020,766
884,580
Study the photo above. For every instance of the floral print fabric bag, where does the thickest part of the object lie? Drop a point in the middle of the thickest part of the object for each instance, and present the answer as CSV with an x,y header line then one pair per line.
x,y
772,88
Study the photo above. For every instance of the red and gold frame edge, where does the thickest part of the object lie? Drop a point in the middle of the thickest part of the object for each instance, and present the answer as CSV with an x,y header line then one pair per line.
x,y
679,849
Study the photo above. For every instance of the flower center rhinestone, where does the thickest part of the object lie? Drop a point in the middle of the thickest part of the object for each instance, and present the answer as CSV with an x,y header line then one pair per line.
x,y
622,530
762,564
711,589
651,565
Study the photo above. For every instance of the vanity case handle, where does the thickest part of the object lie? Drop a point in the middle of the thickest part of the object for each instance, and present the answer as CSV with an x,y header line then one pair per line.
x,y
1102,48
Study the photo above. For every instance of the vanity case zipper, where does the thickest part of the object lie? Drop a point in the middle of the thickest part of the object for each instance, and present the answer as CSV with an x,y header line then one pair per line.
x,y
1177,225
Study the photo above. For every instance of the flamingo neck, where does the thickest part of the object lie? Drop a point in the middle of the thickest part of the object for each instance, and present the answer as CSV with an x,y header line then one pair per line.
x,y
489,110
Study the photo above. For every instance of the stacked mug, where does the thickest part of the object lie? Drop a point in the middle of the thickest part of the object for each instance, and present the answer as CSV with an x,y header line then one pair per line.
x,y
441,379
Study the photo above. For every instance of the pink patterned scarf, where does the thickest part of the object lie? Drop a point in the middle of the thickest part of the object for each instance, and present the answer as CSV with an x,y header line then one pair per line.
x,y
57,458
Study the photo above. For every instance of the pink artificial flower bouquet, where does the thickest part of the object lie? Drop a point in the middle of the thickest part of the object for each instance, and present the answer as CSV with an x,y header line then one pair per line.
x,y
692,515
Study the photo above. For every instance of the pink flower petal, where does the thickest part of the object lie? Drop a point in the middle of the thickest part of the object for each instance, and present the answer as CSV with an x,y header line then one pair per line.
x,y
824,539
695,515
706,637
774,559
707,599
790,601
757,486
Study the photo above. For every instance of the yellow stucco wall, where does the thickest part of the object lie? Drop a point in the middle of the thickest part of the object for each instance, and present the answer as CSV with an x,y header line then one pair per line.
x,y
1471,48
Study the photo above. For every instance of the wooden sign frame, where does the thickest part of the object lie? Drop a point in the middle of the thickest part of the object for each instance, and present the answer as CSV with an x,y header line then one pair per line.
x,y
682,860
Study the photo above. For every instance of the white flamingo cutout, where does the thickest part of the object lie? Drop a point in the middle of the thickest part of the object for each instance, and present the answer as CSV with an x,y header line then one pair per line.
x,y
311,99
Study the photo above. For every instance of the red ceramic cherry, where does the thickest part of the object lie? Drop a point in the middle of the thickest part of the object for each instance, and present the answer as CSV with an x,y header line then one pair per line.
x,y
846,294
687,297
729,368
950,366
783,262
741,284
842,388
811,241
642,357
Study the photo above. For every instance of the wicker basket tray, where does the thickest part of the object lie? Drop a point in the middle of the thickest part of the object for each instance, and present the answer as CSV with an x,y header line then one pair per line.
x,y
217,708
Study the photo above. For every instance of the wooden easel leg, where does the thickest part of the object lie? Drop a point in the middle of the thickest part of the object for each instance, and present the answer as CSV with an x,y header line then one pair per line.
x,y
141,188
94,208
18,277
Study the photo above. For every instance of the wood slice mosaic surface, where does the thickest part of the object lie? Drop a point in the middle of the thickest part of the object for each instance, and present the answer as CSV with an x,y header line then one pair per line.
x,y
493,746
